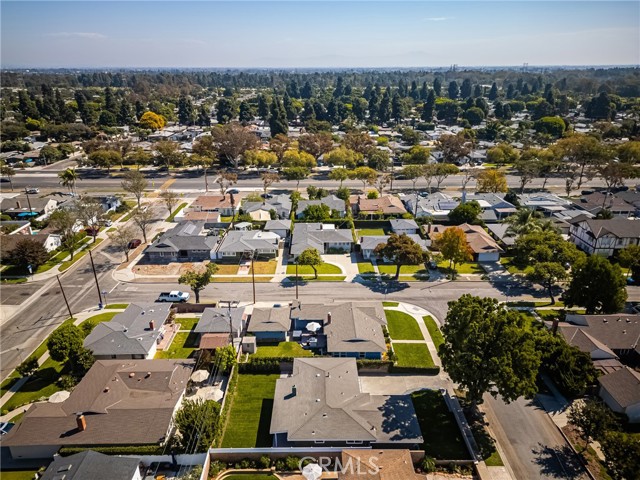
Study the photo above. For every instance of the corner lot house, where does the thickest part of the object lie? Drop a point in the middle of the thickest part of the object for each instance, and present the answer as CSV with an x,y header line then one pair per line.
x,y
484,248
333,202
186,242
118,402
620,390
21,207
321,404
132,334
223,204
93,465
604,237
49,241
239,243
323,237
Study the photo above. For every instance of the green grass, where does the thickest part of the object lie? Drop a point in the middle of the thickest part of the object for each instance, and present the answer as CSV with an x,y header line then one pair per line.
x,y
506,262
405,269
390,304
402,326
40,386
466,268
182,346
325,268
415,355
364,232
282,349
246,279
251,476
265,268
227,269
434,331
188,323
101,317
494,460
18,474
546,303
442,437
8,382
116,306
171,217
250,413
65,265
328,278
365,267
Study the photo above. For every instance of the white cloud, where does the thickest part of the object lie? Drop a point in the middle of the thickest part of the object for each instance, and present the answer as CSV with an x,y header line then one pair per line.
x,y
438,19
91,35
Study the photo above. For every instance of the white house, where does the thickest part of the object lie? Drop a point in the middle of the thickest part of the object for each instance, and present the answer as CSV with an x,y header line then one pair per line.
x,y
402,225
604,237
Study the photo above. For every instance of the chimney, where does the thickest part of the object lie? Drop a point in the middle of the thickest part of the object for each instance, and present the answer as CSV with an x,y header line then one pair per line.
x,y
554,325
82,422
328,318
18,205
429,228
294,390
152,325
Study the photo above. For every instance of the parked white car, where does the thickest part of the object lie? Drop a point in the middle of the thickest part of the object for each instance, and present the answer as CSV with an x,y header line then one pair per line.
x,y
175,296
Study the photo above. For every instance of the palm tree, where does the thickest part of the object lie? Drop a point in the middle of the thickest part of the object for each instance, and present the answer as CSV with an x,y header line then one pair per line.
x,y
524,221
68,178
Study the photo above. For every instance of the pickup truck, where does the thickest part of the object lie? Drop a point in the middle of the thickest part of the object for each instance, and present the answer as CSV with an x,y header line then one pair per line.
x,y
174,296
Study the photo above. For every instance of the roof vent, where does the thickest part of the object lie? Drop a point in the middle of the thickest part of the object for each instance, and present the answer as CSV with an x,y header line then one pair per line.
x,y
317,400
106,390
324,415
131,375
604,320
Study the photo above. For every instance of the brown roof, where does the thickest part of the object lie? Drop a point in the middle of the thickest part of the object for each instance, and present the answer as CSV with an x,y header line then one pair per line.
x,y
618,332
124,402
387,205
209,341
207,217
478,240
212,202
9,242
375,464
618,227
623,385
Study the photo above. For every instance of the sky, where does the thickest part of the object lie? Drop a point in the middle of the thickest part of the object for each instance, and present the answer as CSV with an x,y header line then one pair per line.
x,y
307,34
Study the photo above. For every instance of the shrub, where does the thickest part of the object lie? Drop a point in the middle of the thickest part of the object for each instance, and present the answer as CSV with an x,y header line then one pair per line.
x,y
292,463
265,461
428,464
28,367
67,382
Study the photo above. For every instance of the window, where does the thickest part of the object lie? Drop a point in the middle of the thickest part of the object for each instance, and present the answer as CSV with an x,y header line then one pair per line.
x,y
354,442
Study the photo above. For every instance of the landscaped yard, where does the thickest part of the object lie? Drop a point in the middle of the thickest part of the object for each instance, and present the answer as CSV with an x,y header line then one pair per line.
x,y
188,323
65,265
115,306
507,263
402,326
101,317
171,217
227,269
463,268
434,331
328,278
405,269
390,304
250,414
442,437
243,279
265,268
41,385
183,345
414,355
364,232
325,269
282,349
366,267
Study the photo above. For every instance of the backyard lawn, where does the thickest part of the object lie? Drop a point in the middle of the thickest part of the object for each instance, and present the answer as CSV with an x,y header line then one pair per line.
x,y
325,268
282,349
265,268
434,331
365,267
363,232
188,323
402,326
442,437
414,355
250,413
183,345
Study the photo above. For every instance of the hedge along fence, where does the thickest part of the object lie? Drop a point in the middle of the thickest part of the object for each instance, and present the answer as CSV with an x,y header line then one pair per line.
x,y
265,365
115,450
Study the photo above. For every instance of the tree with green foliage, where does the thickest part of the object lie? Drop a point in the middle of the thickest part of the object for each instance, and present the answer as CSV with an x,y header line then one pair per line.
x,y
64,341
502,154
454,90
491,180
412,173
592,418
316,144
278,118
28,252
582,152
418,155
339,174
64,221
68,178
401,250
629,258
598,286
197,423
103,158
232,141
28,367
343,157
545,246
316,213
7,171
548,274
225,357
443,170
366,175
296,174
135,184
197,280
465,213
452,245
50,154
297,158
226,110
311,257
622,454
487,349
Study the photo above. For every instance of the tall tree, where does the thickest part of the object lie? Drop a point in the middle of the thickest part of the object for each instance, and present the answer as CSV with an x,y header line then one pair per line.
x,y
90,212
452,245
454,90
121,238
170,199
548,274
269,179
401,250
197,280
197,422
64,221
488,349
278,118
311,257
143,217
28,252
296,174
232,141
135,184
592,418
491,180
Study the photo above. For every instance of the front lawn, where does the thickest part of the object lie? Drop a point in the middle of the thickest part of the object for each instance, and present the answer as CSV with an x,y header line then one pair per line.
x,y
434,331
19,474
370,232
442,437
96,319
282,349
250,414
171,217
466,268
65,265
413,355
264,268
241,279
402,326
507,263
39,386
182,346
116,306
227,269
366,267
390,304
405,269
324,269
328,278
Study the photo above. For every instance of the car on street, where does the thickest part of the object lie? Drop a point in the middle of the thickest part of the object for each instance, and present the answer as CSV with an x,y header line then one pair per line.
x,y
135,243
175,296
32,190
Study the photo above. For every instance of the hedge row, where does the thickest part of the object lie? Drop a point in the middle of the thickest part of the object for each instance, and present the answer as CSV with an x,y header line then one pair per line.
x,y
415,370
116,450
263,365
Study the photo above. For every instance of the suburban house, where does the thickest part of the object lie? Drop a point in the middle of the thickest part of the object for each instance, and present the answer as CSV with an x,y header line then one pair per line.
x,y
282,228
116,403
239,243
210,219
185,242
270,324
281,204
15,227
387,205
92,465
259,213
620,390
368,243
632,197
494,206
547,204
334,203
321,404
49,241
403,225
109,202
604,237
223,204
598,201
324,237
483,247
377,465
346,329
132,334
21,206
502,233
436,206
604,336
221,320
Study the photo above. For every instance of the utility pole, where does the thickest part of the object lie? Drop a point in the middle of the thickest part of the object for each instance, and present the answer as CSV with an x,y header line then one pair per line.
x,y
64,296
253,278
296,279
95,275
26,192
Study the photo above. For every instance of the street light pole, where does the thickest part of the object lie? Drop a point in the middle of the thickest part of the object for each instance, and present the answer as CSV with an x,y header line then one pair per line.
x,y
253,278
296,279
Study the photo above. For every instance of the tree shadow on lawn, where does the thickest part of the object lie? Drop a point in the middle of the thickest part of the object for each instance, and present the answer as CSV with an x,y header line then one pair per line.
x,y
263,436
558,462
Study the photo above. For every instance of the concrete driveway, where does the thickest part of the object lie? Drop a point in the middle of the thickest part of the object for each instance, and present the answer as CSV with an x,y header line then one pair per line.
x,y
348,265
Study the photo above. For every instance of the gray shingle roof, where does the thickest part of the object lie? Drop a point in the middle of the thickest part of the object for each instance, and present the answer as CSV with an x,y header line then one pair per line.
x,y
315,235
328,406
403,224
333,202
623,385
238,241
216,320
184,236
619,227
91,465
269,320
278,225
